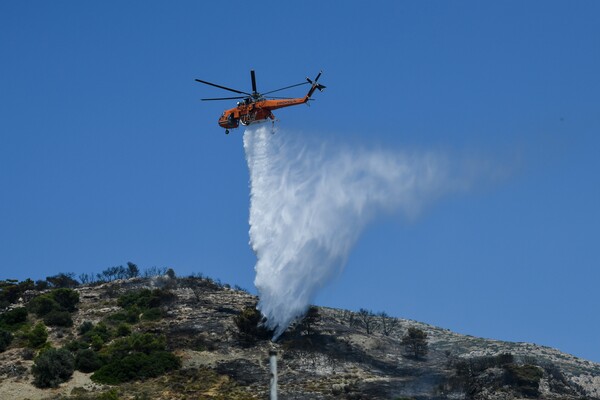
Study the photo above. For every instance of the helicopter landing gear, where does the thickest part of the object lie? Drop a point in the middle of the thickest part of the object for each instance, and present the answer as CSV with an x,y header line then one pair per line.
x,y
227,131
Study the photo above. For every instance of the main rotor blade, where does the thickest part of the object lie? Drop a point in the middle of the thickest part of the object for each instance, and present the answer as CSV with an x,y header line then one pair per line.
x,y
225,98
287,87
253,77
222,87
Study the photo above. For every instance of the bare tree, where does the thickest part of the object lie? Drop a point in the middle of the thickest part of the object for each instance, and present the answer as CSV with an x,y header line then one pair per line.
x,y
86,278
367,320
132,270
387,323
310,319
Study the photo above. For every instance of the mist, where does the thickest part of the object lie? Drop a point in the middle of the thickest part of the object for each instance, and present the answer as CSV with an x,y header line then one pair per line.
x,y
310,201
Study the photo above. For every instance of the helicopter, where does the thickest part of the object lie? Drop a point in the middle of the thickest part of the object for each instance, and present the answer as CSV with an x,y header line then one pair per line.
x,y
255,107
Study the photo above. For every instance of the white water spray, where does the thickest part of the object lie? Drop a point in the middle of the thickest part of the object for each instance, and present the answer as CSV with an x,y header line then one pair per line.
x,y
309,204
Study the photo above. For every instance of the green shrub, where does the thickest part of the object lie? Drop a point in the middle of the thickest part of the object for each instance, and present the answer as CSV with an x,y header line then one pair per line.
x,y
130,315
123,330
76,345
5,339
63,280
142,298
138,356
146,298
12,289
52,367
41,285
248,322
96,342
87,360
100,330
57,300
152,314
145,302
136,366
42,305
14,318
112,394
66,298
9,291
85,327
58,318
37,336
137,342
120,316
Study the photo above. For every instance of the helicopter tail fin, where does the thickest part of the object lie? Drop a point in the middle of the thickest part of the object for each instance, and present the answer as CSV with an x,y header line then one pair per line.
x,y
314,86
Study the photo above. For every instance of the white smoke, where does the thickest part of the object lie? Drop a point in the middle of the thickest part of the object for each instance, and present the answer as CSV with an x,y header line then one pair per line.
x,y
309,204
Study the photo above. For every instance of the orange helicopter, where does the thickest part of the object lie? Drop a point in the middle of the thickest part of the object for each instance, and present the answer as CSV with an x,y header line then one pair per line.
x,y
255,107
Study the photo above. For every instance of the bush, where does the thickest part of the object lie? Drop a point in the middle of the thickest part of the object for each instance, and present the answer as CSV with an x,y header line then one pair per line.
x,y
76,345
152,314
12,289
142,298
101,331
58,318
171,273
5,339
123,330
27,354
146,302
96,342
42,305
145,299
37,336
41,285
63,280
85,327
248,322
9,291
415,343
136,366
66,298
112,394
137,342
309,321
14,317
477,365
524,378
56,300
138,356
130,315
87,360
52,367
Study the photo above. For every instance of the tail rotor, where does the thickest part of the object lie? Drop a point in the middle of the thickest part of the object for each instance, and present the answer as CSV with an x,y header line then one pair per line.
x,y
314,83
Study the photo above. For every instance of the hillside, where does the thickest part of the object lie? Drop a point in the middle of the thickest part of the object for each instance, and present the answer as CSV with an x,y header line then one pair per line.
x,y
330,357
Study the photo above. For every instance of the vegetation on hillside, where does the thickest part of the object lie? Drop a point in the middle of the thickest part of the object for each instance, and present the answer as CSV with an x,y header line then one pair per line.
x,y
135,335
110,349
52,367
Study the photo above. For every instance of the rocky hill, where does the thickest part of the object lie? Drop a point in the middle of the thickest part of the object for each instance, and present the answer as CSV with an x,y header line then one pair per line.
x,y
336,354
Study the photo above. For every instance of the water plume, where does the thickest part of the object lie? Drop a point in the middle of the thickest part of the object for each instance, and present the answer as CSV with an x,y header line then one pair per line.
x,y
309,203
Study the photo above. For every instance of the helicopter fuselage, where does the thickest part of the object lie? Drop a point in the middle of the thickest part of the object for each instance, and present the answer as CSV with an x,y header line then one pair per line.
x,y
248,112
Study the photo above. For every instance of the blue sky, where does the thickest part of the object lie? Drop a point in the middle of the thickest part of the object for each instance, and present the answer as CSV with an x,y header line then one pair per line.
x,y
108,156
